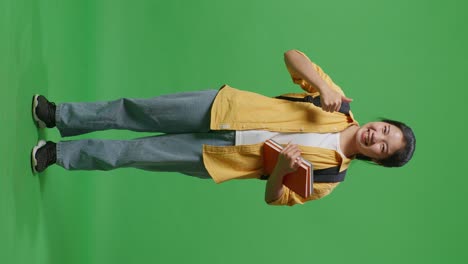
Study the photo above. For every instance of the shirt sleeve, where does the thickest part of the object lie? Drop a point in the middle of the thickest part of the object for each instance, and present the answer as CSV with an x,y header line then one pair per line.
x,y
309,87
291,198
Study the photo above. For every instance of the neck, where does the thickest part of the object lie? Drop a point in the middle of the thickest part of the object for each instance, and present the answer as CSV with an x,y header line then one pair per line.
x,y
348,142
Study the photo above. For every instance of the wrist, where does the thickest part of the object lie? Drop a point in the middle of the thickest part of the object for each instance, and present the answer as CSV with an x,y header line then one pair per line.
x,y
323,89
279,172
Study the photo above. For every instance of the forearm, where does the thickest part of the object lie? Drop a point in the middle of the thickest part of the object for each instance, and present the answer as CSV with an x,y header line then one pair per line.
x,y
301,67
274,186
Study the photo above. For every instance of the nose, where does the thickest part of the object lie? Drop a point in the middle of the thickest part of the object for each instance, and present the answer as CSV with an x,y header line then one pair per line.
x,y
377,137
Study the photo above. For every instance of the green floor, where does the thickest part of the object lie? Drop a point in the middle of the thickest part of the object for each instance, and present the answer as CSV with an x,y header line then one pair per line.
x,y
399,59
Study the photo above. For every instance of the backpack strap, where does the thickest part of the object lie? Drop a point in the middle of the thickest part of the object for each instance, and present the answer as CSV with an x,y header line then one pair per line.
x,y
328,175
344,108
332,174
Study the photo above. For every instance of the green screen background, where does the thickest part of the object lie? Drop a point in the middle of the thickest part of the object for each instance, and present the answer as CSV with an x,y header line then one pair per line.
x,y
400,59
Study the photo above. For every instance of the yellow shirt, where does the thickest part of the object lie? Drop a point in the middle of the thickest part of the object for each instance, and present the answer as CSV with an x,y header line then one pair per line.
x,y
241,110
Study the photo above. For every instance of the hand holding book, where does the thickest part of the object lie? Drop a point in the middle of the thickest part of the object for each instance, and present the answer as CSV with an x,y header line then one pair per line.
x,y
289,159
296,172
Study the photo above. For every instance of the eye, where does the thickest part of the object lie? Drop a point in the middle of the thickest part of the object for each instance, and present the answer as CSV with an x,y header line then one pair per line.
x,y
383,148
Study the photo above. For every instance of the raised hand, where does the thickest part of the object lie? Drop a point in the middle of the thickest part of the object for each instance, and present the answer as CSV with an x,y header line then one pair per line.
x,y
331,100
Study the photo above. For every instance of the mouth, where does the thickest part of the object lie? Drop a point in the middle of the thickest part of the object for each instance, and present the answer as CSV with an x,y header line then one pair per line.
x,y
365,137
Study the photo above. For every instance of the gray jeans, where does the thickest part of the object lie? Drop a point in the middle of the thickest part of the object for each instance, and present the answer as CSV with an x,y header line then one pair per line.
x,y
184,117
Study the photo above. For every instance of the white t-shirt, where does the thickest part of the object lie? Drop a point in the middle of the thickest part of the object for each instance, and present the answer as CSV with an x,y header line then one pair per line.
x,y
326,140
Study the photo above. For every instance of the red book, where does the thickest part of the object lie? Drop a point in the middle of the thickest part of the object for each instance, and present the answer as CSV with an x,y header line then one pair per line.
x,y
300,181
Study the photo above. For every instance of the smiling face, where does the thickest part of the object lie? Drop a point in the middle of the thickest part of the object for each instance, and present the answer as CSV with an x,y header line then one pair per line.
x,y
379,140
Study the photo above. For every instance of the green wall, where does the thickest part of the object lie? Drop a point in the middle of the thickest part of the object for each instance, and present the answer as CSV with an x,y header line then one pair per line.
x,y
400,59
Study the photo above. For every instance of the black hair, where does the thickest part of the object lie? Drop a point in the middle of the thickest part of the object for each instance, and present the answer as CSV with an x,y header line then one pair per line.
x,y
402,156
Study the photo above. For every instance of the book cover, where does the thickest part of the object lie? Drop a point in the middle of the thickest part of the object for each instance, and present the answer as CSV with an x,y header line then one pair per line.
x,y
299,181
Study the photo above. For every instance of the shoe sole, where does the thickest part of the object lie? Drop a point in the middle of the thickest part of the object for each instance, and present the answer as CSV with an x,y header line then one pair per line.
x,y
40,144
35,103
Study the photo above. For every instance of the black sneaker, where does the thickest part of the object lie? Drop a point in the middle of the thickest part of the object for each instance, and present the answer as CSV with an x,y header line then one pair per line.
x,y
43,111
43,155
